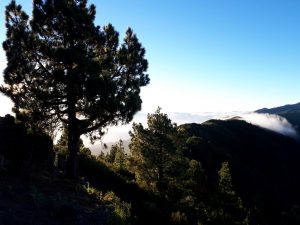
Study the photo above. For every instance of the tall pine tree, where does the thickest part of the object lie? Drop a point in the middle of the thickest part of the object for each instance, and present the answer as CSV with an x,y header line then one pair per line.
x,y
65,71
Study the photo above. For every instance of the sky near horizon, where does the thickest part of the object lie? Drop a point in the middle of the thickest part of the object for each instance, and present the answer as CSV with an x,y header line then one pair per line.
x,y
207,55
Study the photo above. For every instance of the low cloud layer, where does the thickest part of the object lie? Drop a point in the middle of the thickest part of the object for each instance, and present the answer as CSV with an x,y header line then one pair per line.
x,y
272,122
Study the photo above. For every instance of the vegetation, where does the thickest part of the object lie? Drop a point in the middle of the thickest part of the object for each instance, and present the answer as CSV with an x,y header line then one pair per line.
x,y
153,151
22,148
263,165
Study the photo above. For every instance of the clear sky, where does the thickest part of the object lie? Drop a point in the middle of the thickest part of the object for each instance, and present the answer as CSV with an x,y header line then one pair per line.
x,y
208,55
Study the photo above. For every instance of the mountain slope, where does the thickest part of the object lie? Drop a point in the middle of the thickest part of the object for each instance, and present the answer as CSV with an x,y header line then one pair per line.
x,y
264,164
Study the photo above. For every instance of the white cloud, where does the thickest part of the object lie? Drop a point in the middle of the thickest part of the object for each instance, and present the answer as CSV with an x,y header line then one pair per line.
x,y
121,132
272,122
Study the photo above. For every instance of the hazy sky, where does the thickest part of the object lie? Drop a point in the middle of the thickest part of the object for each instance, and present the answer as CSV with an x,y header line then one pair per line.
x,y
208,55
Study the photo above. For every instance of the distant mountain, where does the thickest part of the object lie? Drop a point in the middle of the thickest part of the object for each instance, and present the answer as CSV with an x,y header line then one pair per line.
x,y
265,165
290,112
281,109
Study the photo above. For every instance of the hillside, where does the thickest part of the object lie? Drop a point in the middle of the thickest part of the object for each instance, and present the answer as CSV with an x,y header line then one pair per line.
x,y
35,190
264,164
47,199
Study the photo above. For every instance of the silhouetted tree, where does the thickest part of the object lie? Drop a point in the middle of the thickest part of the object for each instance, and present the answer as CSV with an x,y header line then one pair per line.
x,y
65,70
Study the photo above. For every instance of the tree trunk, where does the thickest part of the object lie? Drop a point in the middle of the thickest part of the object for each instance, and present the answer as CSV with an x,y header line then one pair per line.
x,y
73,149
73,130
73,126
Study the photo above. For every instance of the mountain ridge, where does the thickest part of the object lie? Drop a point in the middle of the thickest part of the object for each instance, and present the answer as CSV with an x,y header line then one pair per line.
x,y
280,109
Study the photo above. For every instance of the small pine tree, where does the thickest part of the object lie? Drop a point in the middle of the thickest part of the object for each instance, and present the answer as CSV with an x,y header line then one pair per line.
x,y
152,149
117,156
120,157
228,208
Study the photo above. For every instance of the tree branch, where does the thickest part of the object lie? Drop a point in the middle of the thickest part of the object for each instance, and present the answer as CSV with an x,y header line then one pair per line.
x,y
97,125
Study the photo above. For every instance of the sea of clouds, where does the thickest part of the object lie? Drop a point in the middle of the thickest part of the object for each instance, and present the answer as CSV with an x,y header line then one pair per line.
x,y
268,121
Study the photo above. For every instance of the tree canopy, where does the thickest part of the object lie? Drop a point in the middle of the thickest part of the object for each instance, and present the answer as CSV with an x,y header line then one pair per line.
x,y
65,70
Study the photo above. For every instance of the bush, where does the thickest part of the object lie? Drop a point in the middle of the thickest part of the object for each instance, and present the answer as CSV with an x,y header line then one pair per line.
x,y
22,147
178,218
121,210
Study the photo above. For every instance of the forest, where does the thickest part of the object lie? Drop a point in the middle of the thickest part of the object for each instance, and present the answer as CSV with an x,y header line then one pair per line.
x,y
67,83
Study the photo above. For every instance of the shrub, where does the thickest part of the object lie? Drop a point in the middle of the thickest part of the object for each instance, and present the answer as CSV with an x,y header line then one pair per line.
x,y
22,147
179,218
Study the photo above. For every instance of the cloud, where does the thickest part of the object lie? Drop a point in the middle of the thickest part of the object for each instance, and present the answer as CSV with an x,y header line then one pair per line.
x,y
272,122
267,121
181,118
116,133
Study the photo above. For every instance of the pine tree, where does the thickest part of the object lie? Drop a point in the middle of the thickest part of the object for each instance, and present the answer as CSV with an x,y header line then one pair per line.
x,y
120,156
228,208
152,149
158,162
66,71
117,156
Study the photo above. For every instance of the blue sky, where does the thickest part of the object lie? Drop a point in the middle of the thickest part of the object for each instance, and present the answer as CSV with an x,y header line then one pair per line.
x,y
208,55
